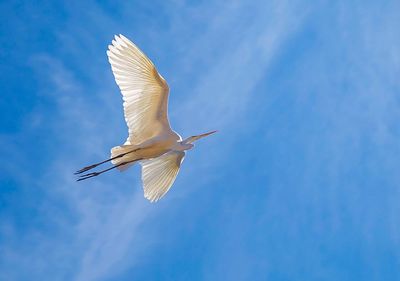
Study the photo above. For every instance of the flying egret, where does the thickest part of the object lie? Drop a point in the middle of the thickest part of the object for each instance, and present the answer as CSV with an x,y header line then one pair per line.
x,y
151,141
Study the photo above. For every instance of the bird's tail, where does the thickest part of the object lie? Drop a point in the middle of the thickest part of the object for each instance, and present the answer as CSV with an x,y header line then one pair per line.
x,y
129,157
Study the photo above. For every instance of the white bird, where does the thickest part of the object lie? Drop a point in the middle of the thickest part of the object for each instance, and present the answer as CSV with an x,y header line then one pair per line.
x,y
151,141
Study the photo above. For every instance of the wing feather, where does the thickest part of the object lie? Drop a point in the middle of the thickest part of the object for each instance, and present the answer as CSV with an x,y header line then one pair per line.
x,y
144,91
158,174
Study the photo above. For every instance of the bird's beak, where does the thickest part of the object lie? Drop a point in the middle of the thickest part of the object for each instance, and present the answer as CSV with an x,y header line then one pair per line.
x,y
195,138
206,134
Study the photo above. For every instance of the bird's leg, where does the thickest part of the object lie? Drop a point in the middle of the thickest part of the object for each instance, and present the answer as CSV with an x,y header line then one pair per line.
x,y
94,174
87,168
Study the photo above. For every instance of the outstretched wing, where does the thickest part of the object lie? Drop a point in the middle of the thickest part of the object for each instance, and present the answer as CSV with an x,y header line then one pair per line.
x,y
144,91
158,174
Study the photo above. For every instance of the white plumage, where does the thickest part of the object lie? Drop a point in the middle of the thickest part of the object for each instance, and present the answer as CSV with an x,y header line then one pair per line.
x,y
158,174
145,92
151,141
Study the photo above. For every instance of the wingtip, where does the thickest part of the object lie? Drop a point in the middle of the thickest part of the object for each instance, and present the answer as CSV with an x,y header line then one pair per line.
x,y
124,38
150,198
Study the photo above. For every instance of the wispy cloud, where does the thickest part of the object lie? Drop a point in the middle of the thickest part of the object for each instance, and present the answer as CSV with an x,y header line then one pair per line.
x,y
322,76
229,57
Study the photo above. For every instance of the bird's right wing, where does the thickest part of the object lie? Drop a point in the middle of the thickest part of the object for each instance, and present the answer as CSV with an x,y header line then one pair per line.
x,y
158,174
144,91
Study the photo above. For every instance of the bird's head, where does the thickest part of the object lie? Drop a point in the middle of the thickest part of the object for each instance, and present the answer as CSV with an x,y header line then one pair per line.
x,y
192,139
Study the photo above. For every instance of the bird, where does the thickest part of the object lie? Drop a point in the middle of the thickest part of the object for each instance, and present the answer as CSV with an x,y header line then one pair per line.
x,y
151,140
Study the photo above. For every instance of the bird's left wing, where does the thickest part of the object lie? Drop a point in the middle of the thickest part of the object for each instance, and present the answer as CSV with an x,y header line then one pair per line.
x,y
144,91
158,174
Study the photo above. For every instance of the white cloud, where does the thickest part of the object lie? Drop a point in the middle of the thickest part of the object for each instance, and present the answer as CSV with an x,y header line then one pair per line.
x,y
109,211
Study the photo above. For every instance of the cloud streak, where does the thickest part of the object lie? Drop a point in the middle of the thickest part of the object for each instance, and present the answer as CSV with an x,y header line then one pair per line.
x,y
230,68
106,236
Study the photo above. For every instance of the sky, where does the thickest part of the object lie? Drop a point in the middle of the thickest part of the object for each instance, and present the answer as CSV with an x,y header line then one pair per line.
x,y
301,182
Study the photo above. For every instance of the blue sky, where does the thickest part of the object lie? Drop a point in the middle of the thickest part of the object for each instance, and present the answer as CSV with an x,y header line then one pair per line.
x,y
300,183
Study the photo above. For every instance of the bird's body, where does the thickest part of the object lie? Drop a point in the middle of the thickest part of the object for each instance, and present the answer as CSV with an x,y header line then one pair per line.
x,y
151,148
151,140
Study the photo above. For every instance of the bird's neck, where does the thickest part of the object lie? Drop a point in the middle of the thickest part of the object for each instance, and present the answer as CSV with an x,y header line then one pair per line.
x,y
181,146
